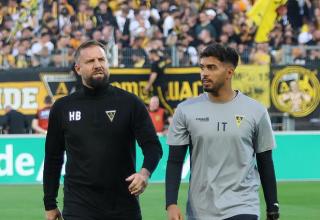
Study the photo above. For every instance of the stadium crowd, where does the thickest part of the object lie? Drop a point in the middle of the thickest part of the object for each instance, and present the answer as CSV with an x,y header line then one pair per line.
x,y
46,34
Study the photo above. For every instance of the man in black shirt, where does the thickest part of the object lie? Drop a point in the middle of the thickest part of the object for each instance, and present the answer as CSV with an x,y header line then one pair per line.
x,y
157,79
15,122
98,127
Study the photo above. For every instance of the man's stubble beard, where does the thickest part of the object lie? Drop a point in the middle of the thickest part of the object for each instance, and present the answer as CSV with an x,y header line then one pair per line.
x,y
214,90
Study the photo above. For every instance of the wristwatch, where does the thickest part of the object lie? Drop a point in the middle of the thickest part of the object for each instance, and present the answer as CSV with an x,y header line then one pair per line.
x,y
274,215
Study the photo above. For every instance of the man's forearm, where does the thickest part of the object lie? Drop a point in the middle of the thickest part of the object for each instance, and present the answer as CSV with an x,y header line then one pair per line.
x,y
173,173
51,181
268,180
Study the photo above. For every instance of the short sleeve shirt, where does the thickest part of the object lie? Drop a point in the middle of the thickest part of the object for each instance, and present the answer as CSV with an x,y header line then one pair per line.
x,y
225,138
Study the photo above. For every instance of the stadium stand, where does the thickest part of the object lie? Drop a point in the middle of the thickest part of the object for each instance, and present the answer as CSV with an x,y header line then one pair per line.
x,y
45,34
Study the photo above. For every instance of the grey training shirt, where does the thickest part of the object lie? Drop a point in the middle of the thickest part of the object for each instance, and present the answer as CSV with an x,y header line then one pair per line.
x,y
225,137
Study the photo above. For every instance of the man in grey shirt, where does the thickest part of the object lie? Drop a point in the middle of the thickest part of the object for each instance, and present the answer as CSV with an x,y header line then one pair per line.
x,y
231,141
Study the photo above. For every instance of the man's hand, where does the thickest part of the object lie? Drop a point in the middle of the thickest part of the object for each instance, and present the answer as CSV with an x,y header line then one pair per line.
x,y
174,212
54,214
139,182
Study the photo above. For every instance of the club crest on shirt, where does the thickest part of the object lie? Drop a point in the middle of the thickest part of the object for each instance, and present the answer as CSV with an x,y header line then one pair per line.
x,y
111,114
239,119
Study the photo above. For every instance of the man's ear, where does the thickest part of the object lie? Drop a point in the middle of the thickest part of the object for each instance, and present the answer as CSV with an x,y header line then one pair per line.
x,y
77,68
230,71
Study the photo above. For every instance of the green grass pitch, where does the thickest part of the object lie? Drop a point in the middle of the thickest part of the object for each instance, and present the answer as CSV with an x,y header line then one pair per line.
x,y
298,200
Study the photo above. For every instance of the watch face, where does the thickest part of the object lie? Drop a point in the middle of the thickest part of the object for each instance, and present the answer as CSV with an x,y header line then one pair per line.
x,y
273,216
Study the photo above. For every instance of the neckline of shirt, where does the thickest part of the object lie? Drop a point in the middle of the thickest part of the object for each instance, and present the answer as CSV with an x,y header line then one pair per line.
x,y
236,97
96,92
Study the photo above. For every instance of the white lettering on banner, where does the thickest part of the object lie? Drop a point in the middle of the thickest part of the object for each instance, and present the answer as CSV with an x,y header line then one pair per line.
x,y
40,173
24,163
12,97
6,161
29,98
25,98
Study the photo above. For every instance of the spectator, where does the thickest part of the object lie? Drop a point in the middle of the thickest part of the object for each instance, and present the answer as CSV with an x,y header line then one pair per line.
x,y
27,33
104,15
137,51
244,53
246,34
168,22
299,56
76,39
97,35
297,12
108,33
40,122
51,26
315,38
188,54
12,7
123,22
63,52
260,55
306,34
66,30
15,122
82,14
138,25
313,58
6,58
42,50
22,59
205,37
89,27
228,29
64,17
276,39
40,45
204,23
157,115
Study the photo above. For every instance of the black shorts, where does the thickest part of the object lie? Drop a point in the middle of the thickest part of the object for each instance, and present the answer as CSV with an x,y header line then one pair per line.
x,y
78,217
243,217
83,203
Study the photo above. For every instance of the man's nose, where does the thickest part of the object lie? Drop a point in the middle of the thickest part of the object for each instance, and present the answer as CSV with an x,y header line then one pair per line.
x,y
203,73
96,63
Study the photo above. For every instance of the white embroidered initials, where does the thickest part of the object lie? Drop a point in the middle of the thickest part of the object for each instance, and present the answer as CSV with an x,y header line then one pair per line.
x,y
74,116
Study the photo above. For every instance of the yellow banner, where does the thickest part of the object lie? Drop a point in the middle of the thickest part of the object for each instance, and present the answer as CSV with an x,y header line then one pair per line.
x,y
254,81
27,97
